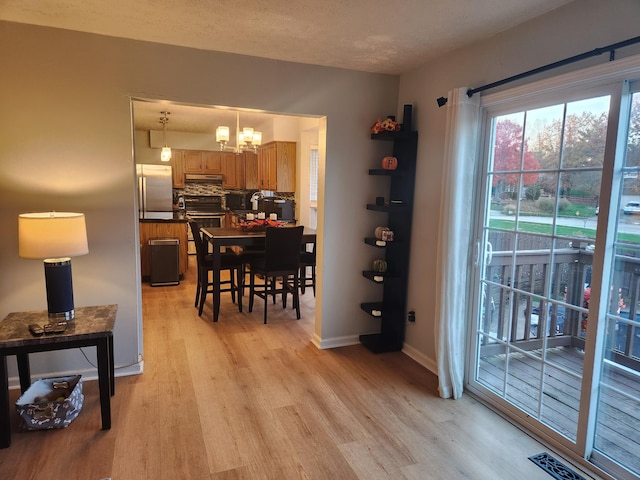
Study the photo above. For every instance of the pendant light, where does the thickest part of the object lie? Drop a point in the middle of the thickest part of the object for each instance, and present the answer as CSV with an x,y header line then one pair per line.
x,y
165,154
247,139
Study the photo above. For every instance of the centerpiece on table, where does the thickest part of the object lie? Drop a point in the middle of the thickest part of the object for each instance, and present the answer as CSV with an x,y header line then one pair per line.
x,y
259,225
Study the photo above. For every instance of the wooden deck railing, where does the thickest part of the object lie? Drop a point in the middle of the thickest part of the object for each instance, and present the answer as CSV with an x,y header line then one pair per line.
x,y
513,302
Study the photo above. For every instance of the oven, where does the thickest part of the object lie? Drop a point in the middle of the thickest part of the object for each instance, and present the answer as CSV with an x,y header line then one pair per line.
x,y
206,210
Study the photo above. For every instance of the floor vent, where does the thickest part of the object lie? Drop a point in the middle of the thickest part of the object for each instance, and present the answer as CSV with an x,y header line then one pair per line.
x,y
553,467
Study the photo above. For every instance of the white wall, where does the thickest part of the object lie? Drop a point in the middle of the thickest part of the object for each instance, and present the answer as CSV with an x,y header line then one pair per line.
x,y
571,30
66,144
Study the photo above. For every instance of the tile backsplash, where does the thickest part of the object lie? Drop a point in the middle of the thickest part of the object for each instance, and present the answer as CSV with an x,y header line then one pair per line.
x,y
204,188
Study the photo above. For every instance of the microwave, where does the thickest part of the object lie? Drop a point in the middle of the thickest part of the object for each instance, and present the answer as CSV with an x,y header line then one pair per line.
x,y
238,201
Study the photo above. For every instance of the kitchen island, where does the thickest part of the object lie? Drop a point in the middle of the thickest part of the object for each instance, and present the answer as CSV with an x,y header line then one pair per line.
x,y
161,228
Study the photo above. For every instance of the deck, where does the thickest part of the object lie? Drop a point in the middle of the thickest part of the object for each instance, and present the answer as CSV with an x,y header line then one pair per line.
x,y
553,397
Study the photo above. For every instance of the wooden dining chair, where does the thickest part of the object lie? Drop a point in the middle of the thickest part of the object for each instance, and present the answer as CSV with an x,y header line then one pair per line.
x,y
281,259
228,261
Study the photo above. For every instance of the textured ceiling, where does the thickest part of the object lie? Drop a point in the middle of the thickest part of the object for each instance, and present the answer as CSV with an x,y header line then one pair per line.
x,y
370,35
380,36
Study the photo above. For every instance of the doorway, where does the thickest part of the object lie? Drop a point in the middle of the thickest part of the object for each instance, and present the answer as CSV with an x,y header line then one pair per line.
x,y
554,332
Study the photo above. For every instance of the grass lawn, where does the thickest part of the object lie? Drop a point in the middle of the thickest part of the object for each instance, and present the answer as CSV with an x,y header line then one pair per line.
x,y
564,231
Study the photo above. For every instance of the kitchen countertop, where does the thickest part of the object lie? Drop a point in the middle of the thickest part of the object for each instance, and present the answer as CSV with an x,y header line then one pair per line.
x,y
175,217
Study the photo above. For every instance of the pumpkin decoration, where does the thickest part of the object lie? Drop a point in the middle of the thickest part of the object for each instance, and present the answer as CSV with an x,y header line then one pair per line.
x,y
389,163
379,265
378,232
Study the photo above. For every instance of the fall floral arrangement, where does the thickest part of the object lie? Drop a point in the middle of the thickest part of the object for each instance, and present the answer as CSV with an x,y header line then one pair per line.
x,y
259,225
387,125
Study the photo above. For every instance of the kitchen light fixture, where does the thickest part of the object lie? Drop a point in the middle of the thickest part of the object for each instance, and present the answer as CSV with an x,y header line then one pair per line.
x,y
165,155
246,140
54,237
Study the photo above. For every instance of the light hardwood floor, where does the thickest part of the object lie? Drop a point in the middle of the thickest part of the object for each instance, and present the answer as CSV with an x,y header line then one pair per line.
x,y
243,400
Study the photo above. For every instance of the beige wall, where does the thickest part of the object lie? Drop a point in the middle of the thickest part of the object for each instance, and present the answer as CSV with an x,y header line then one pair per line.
x,y
66,144
571,30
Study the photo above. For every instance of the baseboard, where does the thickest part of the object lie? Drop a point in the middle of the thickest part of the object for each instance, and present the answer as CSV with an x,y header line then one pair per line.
x,y
419,357
87,374
324,343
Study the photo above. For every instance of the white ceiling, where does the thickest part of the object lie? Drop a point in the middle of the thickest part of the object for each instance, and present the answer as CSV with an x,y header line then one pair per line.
x,y
379,36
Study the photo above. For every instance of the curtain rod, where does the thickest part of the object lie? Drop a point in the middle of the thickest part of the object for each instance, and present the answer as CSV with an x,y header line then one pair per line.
x,y
593,53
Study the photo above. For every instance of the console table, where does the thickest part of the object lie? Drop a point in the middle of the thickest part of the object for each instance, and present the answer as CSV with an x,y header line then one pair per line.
x,y
92,326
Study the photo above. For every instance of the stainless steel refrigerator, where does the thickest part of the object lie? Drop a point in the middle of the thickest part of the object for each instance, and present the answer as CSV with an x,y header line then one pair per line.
x,y
155,194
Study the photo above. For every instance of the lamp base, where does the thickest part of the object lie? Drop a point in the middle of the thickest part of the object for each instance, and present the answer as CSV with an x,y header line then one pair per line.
x,y
57,274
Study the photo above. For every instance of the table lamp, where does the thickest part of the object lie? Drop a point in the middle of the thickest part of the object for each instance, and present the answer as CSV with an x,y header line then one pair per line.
x,y
54,237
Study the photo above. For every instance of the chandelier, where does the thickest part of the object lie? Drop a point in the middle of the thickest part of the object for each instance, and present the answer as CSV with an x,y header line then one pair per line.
x,y
165,154
247,139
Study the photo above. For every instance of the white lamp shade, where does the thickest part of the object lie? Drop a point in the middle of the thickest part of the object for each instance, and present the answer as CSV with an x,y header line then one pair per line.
x,y
52,235
247,133
165,154
222,134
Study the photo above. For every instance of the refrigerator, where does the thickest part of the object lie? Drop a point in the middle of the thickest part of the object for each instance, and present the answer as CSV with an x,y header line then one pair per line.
x,y
155,191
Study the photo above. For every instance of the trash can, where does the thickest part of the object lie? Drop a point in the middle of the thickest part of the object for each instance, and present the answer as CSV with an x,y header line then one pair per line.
x,y
164,261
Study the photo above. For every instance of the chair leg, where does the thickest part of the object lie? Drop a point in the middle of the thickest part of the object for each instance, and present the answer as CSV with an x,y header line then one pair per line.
x,y
251,290
296,298
204,277
240,286
265,299
197,288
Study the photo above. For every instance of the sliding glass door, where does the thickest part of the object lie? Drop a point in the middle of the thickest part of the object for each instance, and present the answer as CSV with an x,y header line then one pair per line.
x,y
556,338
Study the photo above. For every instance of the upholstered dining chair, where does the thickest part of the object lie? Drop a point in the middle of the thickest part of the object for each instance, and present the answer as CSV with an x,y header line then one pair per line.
x,y
228,261
281,259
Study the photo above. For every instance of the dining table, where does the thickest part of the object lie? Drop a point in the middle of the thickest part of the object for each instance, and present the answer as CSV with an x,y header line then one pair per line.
x,y
220,238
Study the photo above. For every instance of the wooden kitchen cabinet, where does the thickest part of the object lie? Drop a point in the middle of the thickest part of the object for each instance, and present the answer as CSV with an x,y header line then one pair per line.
x,y
159,230
203,162
233,167
212,162
177,168
192,161
277,166
251,180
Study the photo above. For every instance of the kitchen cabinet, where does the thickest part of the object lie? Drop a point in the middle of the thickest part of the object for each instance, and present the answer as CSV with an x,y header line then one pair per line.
x,y
196,161
192,161
212,162
177,168
251,180
233,168
159,230
396,214
277,166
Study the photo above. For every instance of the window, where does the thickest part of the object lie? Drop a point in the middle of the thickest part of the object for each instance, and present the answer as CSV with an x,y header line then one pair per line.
x,y
313,187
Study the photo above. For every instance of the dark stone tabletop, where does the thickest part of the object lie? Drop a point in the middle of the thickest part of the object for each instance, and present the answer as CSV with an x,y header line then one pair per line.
x,y
89,322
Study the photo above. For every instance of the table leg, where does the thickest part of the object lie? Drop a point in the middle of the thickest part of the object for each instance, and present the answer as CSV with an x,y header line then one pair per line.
x,y
112,373
5,409
216,281
24,371
104,382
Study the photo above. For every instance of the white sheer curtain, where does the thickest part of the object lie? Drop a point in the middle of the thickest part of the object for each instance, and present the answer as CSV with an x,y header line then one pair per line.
x,y
454,245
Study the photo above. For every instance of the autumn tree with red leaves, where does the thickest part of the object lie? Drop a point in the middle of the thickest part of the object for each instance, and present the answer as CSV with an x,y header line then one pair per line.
x,y
508,157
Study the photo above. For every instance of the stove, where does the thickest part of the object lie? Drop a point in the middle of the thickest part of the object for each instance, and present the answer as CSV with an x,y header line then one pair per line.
x,y
203,205
206,210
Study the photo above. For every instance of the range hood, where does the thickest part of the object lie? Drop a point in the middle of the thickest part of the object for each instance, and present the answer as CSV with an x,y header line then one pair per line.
x,y
203,178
